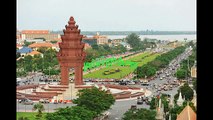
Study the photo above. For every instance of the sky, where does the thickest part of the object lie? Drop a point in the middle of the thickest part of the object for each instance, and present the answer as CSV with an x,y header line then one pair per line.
x,y
107,15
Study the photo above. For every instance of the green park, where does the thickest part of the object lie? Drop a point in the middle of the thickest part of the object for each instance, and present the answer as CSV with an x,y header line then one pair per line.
x,y
119,70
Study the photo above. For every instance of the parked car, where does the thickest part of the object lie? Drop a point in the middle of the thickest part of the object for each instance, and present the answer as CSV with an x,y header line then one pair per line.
x,y
27,102
131,83
123,83
133,107
44,101
139,102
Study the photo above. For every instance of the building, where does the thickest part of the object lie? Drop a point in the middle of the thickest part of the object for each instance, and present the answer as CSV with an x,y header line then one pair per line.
x,y
19,46
32,34
35,46
101,39
56,46
187,114
18,36
35,53
87,46
35,40
116,42
24,50
126,45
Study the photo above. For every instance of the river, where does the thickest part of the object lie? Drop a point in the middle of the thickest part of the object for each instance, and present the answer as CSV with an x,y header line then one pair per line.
x,y
159,37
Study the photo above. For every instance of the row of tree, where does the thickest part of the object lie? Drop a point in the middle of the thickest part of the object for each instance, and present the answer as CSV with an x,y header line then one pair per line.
x,y
45,64
160,62
103,50
185,66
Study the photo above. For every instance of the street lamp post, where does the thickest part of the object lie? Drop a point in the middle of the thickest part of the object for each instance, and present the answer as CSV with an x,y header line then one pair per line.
x,y
18,105
48,106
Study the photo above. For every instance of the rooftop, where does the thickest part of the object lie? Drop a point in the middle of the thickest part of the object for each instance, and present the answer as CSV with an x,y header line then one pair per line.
x,y
35,32
37,45
187,114
25,50
34,53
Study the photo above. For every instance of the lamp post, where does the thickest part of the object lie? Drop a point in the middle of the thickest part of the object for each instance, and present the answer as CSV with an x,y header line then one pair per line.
x,y
18,105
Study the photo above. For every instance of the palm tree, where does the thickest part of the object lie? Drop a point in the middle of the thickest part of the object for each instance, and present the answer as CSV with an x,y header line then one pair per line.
x,y
40,108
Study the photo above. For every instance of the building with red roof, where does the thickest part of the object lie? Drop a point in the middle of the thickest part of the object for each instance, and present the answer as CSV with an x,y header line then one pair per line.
x,y
35,53
187,114
35,46
33,34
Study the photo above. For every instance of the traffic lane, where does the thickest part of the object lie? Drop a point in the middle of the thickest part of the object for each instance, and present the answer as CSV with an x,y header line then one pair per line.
x,y
120,107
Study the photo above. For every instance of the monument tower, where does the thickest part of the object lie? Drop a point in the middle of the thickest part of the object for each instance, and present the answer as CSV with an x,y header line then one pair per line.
x,y
71,54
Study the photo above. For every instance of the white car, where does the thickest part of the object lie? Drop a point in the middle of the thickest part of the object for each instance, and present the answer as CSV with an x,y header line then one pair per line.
x,y
131,83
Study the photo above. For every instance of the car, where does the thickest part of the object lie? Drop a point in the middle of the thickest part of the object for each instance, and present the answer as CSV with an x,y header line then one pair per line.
x,y
27,102
133,107
122,83
44,101
161,78
131,83
145,84
139,102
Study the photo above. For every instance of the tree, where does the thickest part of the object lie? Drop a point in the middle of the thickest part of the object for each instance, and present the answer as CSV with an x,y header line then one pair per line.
x,y
53,42
94,46
195,84
27,43
181,74
42,49
145,70
134,40
94,100
139,114
186,92
40,108
71,113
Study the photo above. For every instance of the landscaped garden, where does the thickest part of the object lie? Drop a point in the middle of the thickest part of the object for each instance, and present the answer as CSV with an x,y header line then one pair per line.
x,y
118,71
29,115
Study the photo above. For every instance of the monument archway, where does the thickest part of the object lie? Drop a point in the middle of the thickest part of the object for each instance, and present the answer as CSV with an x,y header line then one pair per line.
x,y
71,54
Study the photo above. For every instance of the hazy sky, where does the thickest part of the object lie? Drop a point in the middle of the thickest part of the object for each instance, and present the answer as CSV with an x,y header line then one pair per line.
x,y
107,15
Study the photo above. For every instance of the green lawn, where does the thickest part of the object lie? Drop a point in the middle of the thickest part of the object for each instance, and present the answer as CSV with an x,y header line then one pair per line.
x,y
99,73
136,58
125,70
148,59
29,115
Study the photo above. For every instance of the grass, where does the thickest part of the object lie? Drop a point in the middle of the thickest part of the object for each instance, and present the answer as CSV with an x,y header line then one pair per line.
x,y
29,115
138,58
148,59
125,70
99,73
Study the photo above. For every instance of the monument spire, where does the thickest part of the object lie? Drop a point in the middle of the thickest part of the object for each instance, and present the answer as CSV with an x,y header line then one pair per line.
x,y
71,54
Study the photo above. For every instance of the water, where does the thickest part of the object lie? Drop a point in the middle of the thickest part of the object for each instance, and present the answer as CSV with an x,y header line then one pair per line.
x,y
159,37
